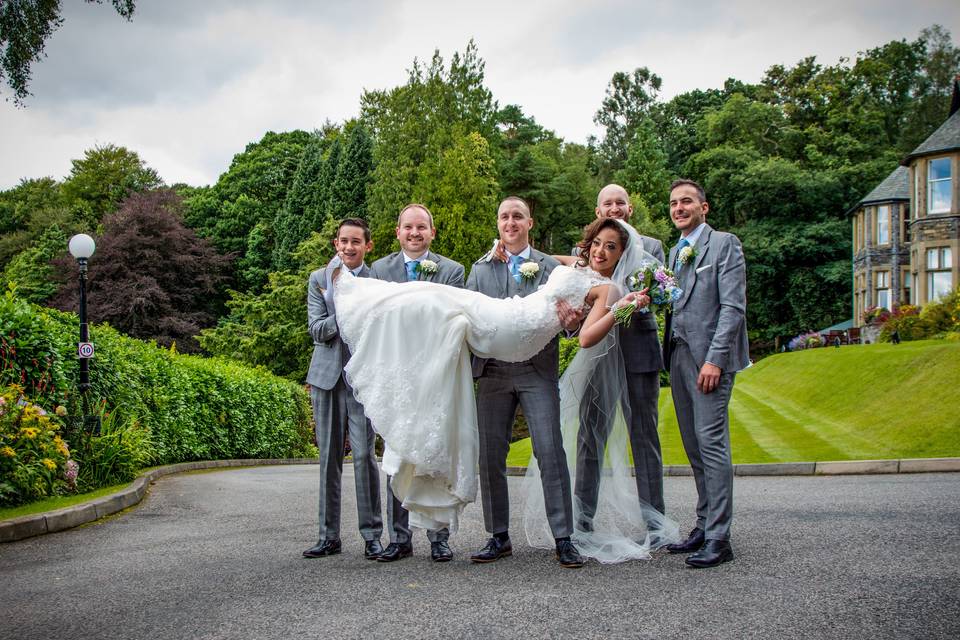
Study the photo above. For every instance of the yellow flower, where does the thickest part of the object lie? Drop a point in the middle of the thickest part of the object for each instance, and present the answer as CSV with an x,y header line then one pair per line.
x,y
61,446
8,452
29,432
49,464
61,410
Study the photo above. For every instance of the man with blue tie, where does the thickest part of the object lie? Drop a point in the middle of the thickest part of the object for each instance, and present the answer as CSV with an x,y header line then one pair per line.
x,y
335,410
414,261
704,345
502,386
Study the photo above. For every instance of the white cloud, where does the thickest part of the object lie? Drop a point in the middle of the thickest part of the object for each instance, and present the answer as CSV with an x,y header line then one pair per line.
x,y
188,85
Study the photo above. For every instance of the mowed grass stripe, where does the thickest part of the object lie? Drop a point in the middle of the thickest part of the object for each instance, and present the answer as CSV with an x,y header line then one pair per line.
x,y
781,436
856,402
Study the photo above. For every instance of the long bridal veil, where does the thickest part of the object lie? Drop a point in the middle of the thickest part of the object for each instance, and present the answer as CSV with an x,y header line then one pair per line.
x,y
594,384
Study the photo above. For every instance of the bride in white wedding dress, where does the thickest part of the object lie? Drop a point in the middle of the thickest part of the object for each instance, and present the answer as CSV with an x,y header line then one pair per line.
x,y
410,347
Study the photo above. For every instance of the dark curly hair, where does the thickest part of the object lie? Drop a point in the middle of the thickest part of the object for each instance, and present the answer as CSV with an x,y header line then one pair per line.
x,y
592,230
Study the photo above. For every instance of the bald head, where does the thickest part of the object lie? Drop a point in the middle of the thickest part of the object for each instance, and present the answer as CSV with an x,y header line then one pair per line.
x,y
614,202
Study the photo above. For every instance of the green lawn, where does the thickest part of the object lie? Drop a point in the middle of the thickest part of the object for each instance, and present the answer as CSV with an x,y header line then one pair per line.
x,y
853,403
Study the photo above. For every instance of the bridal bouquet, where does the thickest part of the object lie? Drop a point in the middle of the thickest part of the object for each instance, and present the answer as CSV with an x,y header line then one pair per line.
x,y
661,286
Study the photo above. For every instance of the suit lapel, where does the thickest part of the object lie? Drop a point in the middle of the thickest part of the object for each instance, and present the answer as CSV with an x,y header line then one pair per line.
x,y
532,284
703,245
500,274
397,268
429,277
688,272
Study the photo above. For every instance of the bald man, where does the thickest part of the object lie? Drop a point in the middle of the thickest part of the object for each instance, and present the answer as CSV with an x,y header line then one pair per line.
x,y
642,361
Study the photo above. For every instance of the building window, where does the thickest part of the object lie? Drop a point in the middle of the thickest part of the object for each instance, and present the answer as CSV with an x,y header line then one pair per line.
x,y
913,291
906,293
883,224
905,224
939,183
883,290
939,274
916,188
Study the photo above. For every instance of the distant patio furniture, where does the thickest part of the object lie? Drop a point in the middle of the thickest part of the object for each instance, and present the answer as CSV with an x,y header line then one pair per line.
x,y
853,335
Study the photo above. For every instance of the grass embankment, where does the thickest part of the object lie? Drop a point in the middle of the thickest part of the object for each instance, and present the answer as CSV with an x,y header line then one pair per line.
x,y
857,402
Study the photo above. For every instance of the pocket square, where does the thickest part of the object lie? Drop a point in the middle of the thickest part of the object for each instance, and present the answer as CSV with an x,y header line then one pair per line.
x,y
704,268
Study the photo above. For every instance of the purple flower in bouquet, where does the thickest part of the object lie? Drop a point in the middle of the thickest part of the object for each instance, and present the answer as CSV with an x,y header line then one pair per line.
x,y
661,286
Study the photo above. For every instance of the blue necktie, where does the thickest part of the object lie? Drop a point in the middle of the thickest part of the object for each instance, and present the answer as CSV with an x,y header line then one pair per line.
x,y
412,269
677,265
515,267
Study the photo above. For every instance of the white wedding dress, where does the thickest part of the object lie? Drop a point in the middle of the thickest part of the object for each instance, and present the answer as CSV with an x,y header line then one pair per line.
x,y
410,347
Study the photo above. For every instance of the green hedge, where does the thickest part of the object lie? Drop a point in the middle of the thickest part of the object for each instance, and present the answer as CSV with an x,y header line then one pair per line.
x,y
194,408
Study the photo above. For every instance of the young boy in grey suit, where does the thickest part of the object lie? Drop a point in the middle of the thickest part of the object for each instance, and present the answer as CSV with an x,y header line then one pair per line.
x,y
335,410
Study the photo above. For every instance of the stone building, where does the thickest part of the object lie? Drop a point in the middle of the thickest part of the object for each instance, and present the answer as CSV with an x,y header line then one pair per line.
x,y
906,232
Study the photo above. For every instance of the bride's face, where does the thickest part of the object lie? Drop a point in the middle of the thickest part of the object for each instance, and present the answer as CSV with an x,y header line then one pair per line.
x,y
605,252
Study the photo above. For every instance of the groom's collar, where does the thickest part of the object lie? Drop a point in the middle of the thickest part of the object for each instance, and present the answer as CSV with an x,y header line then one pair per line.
x,y
525,254
695,234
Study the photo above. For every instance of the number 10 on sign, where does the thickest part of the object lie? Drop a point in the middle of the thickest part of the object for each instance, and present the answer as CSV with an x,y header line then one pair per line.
x,y
85,349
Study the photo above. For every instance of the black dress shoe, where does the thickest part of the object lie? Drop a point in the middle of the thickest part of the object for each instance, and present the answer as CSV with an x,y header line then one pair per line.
x,y
693,542
568,556
323,548
396,551
712,553
372,549
493,551
440,551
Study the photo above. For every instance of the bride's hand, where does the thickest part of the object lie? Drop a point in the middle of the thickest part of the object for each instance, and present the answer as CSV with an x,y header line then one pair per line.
x,y
500,253
336,271
639,298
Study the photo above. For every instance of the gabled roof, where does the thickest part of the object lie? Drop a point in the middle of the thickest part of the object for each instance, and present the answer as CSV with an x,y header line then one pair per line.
x,y
946,138
894,188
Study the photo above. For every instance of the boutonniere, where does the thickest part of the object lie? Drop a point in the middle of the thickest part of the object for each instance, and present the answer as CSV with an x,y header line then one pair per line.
x,y
687,254
529,270
427,267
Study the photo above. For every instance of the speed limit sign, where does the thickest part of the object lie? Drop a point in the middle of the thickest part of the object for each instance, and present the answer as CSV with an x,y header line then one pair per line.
x,y
85,349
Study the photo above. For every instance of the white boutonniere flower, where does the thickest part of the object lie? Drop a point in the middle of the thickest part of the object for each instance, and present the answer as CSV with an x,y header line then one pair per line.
x,y
529,270
687,254
427,267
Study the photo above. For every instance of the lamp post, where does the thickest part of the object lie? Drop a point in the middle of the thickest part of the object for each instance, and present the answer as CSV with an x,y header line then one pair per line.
x,y
82,247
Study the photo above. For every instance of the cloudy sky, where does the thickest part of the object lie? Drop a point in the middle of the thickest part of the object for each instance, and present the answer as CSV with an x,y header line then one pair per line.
x,y
188,84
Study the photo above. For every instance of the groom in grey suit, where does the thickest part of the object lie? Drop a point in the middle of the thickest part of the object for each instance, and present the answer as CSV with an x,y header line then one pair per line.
x,y
642,360
415,232
705,344
502,386
335,410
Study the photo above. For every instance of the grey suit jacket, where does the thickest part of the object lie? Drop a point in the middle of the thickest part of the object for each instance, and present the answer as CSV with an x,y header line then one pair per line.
x,y
329,352
492,278
711,315
639,342
392,269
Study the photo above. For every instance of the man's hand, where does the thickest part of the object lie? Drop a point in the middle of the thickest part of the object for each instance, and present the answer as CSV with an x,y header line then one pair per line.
x,y
709,377
570,318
